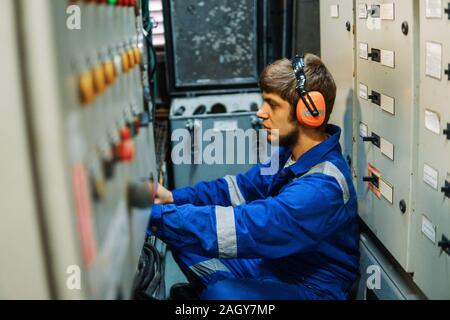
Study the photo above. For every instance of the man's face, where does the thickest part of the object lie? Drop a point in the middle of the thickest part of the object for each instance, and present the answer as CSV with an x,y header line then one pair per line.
x,y
278,120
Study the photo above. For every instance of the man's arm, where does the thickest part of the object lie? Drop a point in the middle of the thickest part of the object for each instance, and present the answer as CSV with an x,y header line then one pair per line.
x,y
295,221
227,191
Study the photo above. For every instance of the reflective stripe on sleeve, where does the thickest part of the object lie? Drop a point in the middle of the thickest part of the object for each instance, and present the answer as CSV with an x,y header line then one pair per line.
x,y
226,232
236,197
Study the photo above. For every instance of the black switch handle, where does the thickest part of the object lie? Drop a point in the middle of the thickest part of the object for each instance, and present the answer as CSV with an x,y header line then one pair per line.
x,y
370,179
447,131
374,180
447,72
446,189
374,139
375,97
444,244
447,10
370,139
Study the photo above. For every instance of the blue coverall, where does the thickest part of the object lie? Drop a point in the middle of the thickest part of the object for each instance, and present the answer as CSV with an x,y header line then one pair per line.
x,y
288,236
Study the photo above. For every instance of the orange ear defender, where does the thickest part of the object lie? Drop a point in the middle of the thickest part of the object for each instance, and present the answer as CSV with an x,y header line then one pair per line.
x,y
311,108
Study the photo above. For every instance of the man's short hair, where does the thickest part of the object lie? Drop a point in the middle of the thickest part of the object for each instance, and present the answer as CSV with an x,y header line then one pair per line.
x,y
279,78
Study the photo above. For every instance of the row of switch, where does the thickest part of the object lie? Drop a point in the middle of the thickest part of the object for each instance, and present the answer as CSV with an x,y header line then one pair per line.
x,y
122,150
95,81
122,3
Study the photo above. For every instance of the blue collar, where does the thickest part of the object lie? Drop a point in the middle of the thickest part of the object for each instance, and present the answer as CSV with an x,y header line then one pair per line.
x,y
316,154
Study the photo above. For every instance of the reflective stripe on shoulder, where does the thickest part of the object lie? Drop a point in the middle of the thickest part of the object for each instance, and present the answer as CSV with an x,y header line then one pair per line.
x,y
209,267
331,170
236,197
226,232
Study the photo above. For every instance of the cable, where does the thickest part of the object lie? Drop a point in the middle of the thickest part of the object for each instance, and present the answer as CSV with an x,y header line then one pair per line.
x,y
150,273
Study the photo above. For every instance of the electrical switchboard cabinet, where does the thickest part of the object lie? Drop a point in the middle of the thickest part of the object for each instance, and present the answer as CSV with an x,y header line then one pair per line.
x,y
337,43
385,111
429,253
22,271
84,70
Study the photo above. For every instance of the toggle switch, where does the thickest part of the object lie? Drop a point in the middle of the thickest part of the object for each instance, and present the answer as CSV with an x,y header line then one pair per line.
x,y
375,139
375,97
444,244
373,180
447,72
446,189
87,90
447,131
375,55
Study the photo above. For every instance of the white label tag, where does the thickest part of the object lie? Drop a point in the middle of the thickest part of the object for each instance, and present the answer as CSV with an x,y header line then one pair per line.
x,y
363,91
429,229
334,11
387,149
364,51
362,11
388,58
430,176
433,9
387,191
433,67
388,104
225,125
363,130
433,122
387,11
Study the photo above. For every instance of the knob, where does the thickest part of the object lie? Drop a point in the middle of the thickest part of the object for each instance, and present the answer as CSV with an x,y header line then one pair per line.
x,y
87,91
405,28
99,79
348,26
125,151
110,72
125,62
402,206
141,195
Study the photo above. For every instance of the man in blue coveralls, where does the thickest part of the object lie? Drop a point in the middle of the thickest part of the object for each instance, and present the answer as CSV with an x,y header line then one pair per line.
x,y
290,235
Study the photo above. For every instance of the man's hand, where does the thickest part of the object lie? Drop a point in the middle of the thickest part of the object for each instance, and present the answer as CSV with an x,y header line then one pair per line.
x,y
163,196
